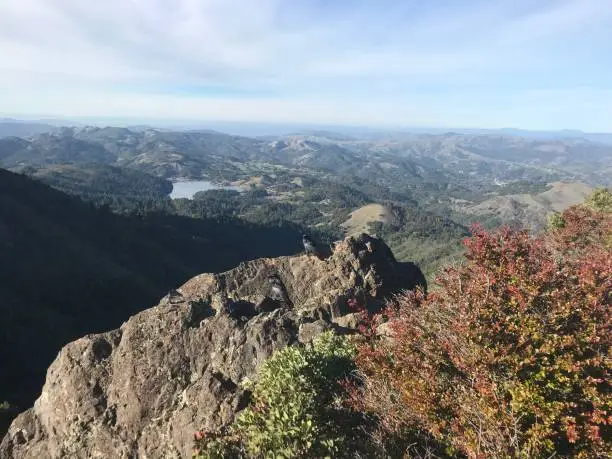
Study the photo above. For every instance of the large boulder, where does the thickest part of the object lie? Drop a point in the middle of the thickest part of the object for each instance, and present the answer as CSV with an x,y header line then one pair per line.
x,y
144,389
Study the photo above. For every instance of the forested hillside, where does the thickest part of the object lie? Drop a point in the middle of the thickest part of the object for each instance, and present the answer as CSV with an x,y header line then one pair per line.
x,y
95,182
434,186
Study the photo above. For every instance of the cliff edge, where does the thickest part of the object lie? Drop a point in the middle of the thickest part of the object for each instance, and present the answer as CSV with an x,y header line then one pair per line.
x,y
142,390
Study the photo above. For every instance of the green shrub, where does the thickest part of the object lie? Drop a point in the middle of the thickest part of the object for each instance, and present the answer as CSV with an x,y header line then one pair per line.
x,y
600,200
555,221
296,408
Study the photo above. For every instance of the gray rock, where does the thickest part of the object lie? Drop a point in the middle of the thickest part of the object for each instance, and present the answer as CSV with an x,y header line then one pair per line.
x,y
349,321
309,331
144,389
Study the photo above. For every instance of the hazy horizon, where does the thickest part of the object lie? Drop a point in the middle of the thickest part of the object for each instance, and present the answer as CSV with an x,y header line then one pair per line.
x,y
246,127
476,64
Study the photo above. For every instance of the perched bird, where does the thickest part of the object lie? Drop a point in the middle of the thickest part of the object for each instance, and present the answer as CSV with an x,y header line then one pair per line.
x,y
277,290
174,297
309,245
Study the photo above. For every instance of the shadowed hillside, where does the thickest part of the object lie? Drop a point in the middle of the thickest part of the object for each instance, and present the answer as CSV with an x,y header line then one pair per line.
x,y
67,269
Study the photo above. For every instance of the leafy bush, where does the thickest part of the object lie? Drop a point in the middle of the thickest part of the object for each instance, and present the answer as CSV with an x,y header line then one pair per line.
x,y
555,221
510,356
600,200
296,409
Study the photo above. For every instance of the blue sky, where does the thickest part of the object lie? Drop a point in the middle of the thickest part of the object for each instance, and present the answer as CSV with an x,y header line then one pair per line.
x,y
535,64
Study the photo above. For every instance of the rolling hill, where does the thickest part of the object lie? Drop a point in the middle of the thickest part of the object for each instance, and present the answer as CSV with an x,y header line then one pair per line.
x,y
527,210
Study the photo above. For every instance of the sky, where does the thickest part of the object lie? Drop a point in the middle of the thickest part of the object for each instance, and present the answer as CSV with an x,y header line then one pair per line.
x,y
532,64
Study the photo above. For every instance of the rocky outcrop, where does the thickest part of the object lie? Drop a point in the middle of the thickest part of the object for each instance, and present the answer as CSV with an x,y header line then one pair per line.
x,y
144,389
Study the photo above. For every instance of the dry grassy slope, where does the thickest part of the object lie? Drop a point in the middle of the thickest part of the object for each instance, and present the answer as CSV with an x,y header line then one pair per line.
x,y
252,181
563,195
360,218
530,210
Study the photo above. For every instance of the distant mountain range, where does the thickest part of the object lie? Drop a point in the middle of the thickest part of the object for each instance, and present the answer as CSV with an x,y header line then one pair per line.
x,y
392,160
16,127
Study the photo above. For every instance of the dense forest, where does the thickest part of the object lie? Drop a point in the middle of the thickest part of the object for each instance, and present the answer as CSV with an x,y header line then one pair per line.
x,y
321,204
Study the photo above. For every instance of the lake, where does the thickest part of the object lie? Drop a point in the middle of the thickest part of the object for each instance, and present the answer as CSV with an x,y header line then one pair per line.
x,y
187,189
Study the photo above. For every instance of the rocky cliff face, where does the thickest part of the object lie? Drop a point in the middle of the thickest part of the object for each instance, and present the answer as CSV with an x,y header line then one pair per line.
x,y
143,389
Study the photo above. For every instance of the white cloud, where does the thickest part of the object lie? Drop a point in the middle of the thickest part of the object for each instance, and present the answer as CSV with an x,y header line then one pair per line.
x,y
77,56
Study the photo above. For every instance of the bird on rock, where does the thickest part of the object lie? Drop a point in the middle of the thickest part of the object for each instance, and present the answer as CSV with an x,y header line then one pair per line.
x,y
277,290
309,245
174,297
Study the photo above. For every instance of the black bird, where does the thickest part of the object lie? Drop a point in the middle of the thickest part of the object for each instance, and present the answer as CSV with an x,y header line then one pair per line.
x,y
277,290
309,245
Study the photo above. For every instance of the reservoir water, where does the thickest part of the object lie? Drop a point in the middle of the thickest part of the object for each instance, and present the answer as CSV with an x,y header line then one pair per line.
x,y
187,189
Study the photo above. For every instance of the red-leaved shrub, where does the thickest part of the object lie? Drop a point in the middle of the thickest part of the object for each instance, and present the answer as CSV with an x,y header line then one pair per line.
x,y
510,356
